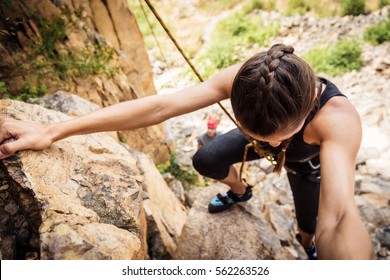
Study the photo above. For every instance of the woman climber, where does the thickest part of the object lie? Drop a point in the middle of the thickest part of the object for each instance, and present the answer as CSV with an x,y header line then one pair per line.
x,y
301,122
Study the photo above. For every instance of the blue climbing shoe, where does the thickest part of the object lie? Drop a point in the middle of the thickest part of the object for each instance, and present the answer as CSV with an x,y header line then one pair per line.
x,y
223,202
311,252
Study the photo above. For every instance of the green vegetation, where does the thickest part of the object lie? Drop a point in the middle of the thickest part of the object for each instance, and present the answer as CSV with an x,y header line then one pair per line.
x,y
244,29
187,177
378,33
383,3
8,6
297,7
341,57
48,56
3,90
327,8
216,6
94,59
3,87
121,138
254,5
28,92
52,33
292,7
230,36
352,7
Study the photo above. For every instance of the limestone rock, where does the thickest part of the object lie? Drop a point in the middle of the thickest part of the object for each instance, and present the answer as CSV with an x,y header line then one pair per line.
x,y
165,213
66,103
69,104
176,186
238,233
79,199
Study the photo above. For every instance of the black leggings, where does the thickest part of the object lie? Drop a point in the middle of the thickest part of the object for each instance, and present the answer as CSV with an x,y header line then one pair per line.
x,y
215,158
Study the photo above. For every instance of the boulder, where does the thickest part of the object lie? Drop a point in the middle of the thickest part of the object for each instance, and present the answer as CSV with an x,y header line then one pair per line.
x,y
165,213
238,233
79,199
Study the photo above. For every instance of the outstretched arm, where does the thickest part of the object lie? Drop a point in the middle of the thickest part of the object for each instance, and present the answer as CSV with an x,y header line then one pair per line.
x,y
123,116
340,232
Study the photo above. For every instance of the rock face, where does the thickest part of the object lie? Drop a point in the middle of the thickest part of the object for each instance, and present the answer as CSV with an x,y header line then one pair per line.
x,y
80,199
165,214
84,198
238,233
95,30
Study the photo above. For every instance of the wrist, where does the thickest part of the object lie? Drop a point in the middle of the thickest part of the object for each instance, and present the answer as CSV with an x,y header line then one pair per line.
x,y
53,133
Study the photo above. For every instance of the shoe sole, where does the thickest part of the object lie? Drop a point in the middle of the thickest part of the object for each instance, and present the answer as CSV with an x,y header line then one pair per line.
x,y
216,209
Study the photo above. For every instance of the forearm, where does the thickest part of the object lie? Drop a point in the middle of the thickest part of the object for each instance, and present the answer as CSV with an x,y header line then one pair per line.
x,y
340,232
123,116
344,238
141,112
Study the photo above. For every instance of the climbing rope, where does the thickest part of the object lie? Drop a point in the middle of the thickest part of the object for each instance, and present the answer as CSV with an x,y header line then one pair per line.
x,y
154,35
159,19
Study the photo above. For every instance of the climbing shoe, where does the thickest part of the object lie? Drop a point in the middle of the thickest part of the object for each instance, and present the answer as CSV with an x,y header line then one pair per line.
x,y
311,252
223,202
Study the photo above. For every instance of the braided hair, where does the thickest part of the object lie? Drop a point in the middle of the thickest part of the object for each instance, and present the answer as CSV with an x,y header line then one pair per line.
x,y
273,92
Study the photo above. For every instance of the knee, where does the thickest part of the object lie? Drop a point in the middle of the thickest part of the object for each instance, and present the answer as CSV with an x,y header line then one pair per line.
x,y
205,163
200,161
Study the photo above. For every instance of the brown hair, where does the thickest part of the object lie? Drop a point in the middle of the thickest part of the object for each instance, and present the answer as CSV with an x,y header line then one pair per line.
x,y
272,92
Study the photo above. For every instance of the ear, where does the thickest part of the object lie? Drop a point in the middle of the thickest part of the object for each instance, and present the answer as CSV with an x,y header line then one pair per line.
x,y
315,95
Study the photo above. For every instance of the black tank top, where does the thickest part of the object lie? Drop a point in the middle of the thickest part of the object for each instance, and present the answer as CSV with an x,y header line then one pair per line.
x,y
299,151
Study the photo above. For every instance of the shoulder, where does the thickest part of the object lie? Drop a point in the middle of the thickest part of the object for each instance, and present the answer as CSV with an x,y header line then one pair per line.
x,y
202,136
338,122
201,140
223,80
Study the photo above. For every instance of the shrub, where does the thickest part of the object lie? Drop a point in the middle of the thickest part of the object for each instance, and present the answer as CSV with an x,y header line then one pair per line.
x,y
3,88
337,59
96,58
383,3
352,7
242,29
221,56
52,32
218,55
28,92
187,177
230,37
378,33
316,57
345,56
297,7
253,5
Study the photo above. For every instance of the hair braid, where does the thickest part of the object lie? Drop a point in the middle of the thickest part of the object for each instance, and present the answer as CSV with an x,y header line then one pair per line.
x,y
272,59
273,92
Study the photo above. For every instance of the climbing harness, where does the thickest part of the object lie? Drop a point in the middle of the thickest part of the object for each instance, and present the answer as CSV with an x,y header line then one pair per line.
x,y
252,142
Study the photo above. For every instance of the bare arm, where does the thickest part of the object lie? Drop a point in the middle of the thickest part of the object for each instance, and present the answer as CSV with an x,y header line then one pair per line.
x,y
340,232
123,116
